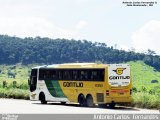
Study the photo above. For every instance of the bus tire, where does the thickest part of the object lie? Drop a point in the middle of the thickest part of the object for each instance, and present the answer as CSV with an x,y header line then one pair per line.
x,y
102,105
82,100
112,105
42,98
89,101
63,103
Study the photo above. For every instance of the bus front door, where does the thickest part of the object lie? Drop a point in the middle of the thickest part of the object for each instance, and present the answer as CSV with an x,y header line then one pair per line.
x,y
33,80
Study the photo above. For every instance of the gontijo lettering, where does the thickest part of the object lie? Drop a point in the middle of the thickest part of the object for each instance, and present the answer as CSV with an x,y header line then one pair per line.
x,y
119,77
73,84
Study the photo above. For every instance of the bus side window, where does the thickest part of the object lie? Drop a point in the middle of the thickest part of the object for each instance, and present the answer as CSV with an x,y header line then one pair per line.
x,y
48,74
89,75
64,74
59,74
70,74
101,75
53,74
83,75
86,74
93,75
74,74
67,74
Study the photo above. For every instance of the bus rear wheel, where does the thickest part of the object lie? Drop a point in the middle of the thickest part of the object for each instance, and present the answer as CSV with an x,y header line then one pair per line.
x,y
89,101
112,105
82,100
102,105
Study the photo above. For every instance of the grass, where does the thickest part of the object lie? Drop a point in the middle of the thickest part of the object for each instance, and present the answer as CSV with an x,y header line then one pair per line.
x,y
142,75
14,87
146,100
145,94
14,93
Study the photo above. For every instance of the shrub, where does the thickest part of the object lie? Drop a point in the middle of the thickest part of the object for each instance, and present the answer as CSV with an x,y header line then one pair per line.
x,y
134,89
152,92
144,89
14,93
146,100
4,84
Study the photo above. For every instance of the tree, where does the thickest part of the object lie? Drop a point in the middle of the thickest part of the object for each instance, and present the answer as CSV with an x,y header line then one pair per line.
x,y
49,51
150,52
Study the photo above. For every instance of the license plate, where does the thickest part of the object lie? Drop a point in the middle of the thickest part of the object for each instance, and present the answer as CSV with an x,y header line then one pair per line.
x,y
121,93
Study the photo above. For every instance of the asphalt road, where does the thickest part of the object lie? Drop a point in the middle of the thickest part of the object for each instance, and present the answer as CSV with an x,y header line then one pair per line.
x,y
13,106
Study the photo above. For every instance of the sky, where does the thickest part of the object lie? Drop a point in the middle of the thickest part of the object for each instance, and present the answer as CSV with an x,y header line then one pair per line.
x,y
107,21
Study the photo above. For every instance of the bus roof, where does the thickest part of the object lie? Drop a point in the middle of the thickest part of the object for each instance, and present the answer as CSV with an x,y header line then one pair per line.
x,y
73,65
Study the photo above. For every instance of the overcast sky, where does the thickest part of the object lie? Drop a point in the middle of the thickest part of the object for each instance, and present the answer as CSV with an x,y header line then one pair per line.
x,y
107,21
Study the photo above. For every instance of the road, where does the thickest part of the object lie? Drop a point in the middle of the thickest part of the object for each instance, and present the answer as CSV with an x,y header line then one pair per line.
x,y
14,106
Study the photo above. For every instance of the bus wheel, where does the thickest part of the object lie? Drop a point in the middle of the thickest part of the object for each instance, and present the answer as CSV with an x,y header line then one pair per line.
x,y
82,100
63,103
42,98
89,101
112,105
102,105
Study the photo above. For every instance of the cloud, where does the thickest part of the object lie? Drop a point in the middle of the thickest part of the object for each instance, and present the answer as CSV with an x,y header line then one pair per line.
x,y
29,19
32,27
80,1
147,37
81,24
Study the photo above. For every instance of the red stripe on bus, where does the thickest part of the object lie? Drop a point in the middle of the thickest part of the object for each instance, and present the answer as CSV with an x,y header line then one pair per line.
x,y
119,91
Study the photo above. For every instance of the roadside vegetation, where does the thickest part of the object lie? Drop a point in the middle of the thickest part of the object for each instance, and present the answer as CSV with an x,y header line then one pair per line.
x,y
146,85
14,81
145,91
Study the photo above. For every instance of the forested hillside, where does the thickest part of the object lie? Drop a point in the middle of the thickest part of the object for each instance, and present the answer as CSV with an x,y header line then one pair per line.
x,y
48,51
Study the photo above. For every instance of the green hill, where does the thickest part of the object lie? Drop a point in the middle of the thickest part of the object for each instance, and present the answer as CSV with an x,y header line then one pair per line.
x,y
39,50
143,74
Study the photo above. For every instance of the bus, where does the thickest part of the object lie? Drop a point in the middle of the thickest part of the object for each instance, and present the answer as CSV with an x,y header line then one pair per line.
x,y
84,83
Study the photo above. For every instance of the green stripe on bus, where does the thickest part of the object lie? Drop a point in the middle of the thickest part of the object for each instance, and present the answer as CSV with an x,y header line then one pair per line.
x,y
51,88
57,88
54,88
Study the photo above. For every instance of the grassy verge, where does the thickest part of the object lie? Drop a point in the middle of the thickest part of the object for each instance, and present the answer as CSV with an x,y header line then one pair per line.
x,y
14,93
14,81
146,100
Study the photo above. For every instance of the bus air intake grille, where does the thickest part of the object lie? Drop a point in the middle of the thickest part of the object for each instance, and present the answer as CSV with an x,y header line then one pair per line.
x,y
100,97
